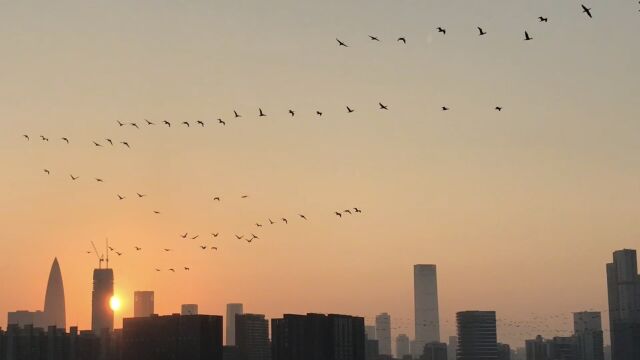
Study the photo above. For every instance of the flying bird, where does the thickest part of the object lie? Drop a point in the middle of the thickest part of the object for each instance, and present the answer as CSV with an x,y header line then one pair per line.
x,y
47,171
222,122
186,123
44,138
244,196
350,110
120,123
96,144
216,198
172,270
109,141
284,220
156,212
214,248
444,108
338,214
271,222
167,250
74,177
141,195
195,237
254,236
543,19
235,114
119,253
481,32
99,180
125,144
498,108
292,113
200,122
120,197
319,113
347,211
239,236
149,122
442,30
261,113
374,38
185,235
404,40
340,43
157,269
26,137
203,247
357,210
166,123
65,140
214,234
382,106
302,216
137,248
134,125
258,225
527,37
586,10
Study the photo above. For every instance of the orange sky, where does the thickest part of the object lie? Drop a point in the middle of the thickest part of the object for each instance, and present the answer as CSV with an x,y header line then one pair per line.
x,y
520,209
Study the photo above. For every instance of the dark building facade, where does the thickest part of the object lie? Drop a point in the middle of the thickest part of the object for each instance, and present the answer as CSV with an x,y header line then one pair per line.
x,y
623,285
318,337
504,352
477,336
252,337
434,351
193,337
101,313
587,330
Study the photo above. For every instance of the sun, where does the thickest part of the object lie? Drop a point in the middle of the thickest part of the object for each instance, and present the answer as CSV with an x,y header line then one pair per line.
x,y
115,303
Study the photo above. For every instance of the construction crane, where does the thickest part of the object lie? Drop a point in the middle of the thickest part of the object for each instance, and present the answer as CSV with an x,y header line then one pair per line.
x,y
100,257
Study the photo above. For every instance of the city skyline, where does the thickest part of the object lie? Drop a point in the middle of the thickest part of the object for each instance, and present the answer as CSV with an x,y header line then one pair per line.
x,y
511,164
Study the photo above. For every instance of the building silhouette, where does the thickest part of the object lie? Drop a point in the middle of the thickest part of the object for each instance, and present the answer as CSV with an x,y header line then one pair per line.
x,y
623,284
21,318
435,351
252,337
101,312
172,337
232,311
383,333
504,352
54,309
402,346
427,318
477,337
318,337
370,332
452,347
143,303
189,309
557,348
587,330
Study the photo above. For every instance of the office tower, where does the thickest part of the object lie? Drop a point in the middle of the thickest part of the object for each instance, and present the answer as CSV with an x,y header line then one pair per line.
x,y
189,309
143,303
21,318
587,329
101,312
477,338
623,284
504,352
371,351
452,347
252,337
54,310
232,311
370,332
193,337
383,333
318,337
425,297
435,351
561,348
536,349
402,346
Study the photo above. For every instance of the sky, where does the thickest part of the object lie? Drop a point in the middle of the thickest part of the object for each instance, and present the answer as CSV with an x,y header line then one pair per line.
x,y
519,209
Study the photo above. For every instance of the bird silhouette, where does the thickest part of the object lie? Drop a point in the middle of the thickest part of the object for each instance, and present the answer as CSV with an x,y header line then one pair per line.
x,y
404,40
261,113
498,108
109,141
350,110
166,123
195,237
302,216
258,225
120,197
340,43
118,253
542,19
125,144
157,269
442,30
222,122
172,270
65,140
200,122
214,248
26,137
216,198
186,123
99,180
47,171
444,108
74,177
284,220
586,10
134,125
244,196
319,113
141,195
239,236
96,144
338,214
137,248
382,106
203,247
357,210
347,211
44,138
249,240
271,222
481,32
235,114
167,250
149,122
156,212
374,38
120,123
527,37
185,235
215,234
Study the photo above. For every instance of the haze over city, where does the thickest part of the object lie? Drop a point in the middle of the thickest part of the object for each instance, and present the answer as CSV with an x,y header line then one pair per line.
x,y
511,164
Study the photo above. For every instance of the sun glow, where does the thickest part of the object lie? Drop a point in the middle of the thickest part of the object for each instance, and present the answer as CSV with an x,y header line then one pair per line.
x,y
115,303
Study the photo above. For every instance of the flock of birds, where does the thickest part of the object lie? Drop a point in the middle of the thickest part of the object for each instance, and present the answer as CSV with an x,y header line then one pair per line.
x,y
481,31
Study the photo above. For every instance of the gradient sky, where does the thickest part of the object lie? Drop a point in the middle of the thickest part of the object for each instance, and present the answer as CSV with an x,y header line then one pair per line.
x,y
520,210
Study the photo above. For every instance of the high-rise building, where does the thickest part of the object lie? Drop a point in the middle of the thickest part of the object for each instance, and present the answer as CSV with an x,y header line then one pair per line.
x,y
536,349
189,309
21,318
318,337
101,312
435,351
587,329
194,337
143,303
623,284
54,309
452,347
232,311
402,346
383,333
504,352
370,332
477,336
252,337
425,297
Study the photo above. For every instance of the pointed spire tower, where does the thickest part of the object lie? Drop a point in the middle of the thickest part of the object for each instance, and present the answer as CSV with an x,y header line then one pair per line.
x,y
54,309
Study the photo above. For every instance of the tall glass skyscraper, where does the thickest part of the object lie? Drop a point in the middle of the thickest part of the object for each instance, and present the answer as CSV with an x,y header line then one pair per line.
x,y
623,284
427,318
101,313
232,311
54,309
477,335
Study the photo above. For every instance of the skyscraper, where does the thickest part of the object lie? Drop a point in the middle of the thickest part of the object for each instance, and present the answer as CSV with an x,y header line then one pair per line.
x,y
435,351
402,346
189,309
477,337
383,333
370,332
587,328
623,284
252,337
143,303
232,311
101,312
452,347
54,310
425,295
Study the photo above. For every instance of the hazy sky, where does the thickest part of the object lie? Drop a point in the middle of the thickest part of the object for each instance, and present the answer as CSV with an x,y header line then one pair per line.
x,y
520,210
